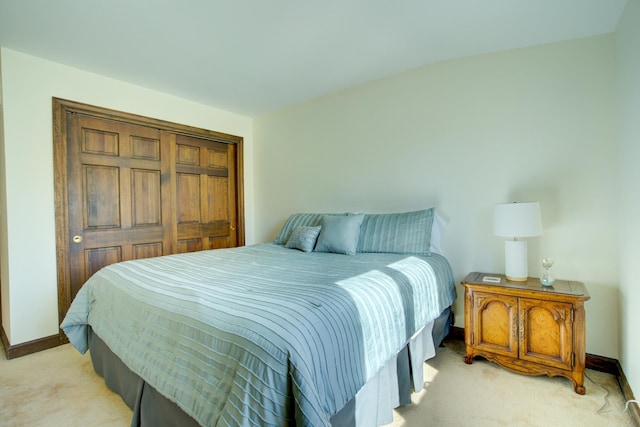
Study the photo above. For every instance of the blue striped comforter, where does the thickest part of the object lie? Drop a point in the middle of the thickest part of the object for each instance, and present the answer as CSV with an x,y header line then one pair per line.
x,y
260,335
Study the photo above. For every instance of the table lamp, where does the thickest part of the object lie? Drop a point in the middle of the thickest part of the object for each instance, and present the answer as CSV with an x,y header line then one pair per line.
x,y
516,221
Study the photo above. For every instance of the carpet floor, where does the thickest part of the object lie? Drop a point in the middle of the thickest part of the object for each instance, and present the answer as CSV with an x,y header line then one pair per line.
x,y
58,387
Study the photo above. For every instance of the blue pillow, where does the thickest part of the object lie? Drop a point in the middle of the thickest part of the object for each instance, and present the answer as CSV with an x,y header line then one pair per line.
x,y
303,238
400,233
298,219
339,234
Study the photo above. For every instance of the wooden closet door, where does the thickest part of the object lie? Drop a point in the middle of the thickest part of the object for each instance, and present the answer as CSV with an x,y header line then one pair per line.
x,y
119,195
129,187
205,176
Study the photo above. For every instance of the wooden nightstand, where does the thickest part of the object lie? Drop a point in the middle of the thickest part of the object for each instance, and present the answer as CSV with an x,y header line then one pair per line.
x,y
526,327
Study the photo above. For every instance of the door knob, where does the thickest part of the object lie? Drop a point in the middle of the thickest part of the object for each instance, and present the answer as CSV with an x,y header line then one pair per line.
x,y
77,239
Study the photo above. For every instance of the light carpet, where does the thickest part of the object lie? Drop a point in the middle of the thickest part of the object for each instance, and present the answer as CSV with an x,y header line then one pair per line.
x,y
58,387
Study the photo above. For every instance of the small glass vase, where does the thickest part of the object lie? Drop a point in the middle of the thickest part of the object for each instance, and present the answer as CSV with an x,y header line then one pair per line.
x,y
547,279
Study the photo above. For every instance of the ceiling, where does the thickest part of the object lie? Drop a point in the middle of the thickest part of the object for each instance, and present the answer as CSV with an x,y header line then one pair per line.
x,y
256,56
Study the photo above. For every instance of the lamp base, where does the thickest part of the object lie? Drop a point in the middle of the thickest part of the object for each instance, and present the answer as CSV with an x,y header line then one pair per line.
x,y
515,260
517,279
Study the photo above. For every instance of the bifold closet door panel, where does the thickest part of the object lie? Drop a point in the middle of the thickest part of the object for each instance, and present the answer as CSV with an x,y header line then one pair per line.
x,y
205,192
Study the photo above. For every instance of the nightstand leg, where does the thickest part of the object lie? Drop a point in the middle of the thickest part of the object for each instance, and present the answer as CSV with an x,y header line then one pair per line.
x,y
578,382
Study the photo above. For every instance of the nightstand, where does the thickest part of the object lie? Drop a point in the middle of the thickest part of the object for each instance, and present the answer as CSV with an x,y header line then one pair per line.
x,y
526,327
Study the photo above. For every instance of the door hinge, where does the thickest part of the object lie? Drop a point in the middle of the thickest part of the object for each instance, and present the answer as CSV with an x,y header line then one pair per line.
x,y
573,360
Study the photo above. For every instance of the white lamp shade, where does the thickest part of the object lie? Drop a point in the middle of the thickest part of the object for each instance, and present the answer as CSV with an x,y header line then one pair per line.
x,y
517,220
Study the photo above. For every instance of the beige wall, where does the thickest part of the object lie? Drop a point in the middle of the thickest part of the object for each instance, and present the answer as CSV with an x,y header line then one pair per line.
x,y
628,44
528,124
29,286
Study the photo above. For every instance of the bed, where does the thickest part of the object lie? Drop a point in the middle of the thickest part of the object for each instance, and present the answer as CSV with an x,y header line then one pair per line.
x,y
331,320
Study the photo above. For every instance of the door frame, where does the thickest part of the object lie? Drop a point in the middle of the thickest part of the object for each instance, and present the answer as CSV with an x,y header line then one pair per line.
x,y
60,109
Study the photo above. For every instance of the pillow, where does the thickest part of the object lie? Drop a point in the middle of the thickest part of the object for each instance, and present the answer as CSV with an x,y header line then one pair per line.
x,y
400,233
437,231
295,220
339,234
303,238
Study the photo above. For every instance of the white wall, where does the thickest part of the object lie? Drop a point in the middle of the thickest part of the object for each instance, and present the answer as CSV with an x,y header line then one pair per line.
x,y
4,284
529,124
29,284
628,44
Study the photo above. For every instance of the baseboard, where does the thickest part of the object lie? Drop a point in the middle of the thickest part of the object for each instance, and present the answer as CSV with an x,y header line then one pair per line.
x,y
594,362
602,364
5,340
13,351
634,409
456,333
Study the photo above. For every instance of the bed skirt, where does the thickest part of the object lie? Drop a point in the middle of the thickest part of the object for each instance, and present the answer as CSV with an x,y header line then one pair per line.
x,y
151,409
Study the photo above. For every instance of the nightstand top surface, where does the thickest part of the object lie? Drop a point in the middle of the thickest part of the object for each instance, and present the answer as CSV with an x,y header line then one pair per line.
x,y
566,287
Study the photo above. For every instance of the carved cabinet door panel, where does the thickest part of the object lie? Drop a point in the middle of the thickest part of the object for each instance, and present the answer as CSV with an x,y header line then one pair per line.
x,y
546,332
496,323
